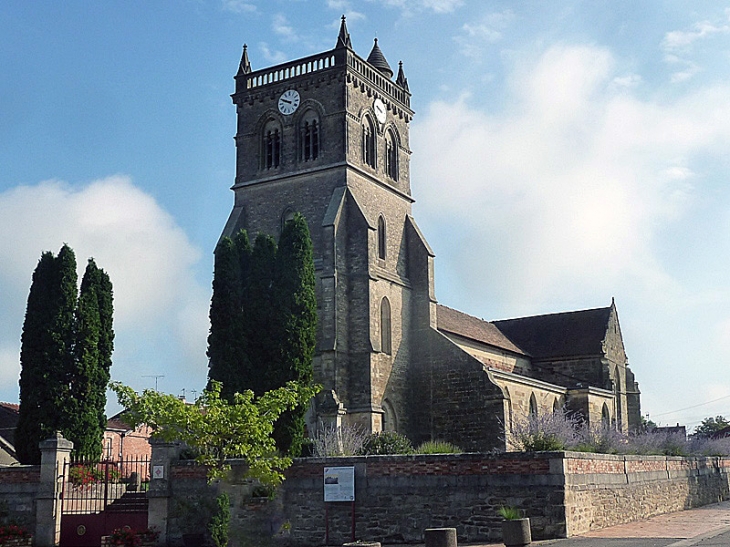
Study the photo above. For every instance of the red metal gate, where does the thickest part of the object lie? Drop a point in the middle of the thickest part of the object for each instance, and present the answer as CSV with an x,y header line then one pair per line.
x,y
99,497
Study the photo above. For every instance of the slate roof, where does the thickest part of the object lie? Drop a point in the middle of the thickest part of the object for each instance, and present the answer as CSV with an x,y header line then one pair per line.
x,y
377,59
468,326
557,335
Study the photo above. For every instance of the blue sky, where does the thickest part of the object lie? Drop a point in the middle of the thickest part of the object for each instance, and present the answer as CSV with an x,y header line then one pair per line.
x,y
564,153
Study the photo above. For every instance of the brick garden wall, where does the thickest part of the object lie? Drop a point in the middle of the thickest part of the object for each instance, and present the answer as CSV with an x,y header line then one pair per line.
x,y
397,497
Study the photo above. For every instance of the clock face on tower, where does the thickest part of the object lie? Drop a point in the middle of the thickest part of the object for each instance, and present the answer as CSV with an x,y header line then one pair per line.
x,y
379,108
288,102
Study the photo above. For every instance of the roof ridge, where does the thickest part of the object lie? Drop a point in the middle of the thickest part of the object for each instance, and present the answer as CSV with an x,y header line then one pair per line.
x,y
570,312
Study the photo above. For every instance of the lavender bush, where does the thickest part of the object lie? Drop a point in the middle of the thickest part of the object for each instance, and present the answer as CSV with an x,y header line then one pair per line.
x,y
602,438
331,441
550,431
567,431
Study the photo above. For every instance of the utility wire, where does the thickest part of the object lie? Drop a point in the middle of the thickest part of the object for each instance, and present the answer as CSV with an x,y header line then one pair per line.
x,y
693,406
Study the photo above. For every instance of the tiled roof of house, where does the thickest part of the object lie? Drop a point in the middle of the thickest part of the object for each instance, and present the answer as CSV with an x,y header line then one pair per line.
x,y
117,422
468,326
8,421
557,335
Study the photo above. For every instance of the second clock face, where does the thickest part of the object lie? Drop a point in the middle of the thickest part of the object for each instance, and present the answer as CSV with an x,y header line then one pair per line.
x,y
288,102
380,112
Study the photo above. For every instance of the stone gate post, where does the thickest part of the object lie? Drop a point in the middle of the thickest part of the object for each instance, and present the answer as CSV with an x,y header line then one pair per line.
x,y
55,453
163,454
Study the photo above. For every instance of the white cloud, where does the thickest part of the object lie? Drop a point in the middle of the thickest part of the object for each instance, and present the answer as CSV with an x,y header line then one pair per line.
x,y
272,56
281,26
238,6
408,7
442,6
682,39
157,301
487,30
566,191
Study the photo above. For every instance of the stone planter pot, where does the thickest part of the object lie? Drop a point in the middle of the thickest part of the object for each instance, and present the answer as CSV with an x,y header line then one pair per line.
x,y
516,533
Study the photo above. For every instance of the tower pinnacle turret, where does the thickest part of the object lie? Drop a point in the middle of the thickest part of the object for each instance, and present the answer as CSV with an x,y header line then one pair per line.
x,y
377,59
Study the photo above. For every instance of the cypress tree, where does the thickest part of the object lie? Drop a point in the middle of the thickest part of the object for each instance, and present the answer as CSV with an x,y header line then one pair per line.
x,y
85,419
295,305
46,354
259,327
224,340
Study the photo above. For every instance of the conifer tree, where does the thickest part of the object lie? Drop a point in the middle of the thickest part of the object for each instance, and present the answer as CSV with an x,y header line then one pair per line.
x,y
46,354
260,328
226,316
263,319
295,304
66,349
85,419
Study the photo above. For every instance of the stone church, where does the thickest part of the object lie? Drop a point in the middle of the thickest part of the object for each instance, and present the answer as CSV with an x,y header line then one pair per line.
x,y
327,136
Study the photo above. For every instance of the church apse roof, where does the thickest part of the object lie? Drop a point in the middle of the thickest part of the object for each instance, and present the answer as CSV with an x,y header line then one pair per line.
x,y
559,335
468,326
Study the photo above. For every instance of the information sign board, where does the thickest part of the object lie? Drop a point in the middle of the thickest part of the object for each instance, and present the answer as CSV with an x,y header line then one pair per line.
x,y
339,484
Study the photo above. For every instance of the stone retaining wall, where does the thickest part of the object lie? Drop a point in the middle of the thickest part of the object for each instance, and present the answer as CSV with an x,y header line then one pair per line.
x,y
398,497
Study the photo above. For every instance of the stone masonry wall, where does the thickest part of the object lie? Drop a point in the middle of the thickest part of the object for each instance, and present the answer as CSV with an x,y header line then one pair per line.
x,y
18,491
398,497
604,490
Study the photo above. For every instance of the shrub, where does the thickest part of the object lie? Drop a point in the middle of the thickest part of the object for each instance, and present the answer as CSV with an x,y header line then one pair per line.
x,y
437,447
603,439
84,475
702,446
218,526
658,443
546,432
12,531
386,442
128,537
332,441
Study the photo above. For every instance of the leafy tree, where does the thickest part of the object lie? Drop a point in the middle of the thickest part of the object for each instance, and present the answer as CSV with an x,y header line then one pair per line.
x,y
66,349
216,429
711,425
46,353
295,304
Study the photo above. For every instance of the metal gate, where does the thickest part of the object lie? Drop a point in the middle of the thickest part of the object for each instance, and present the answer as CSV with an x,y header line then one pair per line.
x,y
99,497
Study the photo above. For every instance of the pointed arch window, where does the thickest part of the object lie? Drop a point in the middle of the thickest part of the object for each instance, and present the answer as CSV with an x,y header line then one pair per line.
x,y
390,422
272,145
386,343
533,406
310,136
391,155
382,240
605,417
368,142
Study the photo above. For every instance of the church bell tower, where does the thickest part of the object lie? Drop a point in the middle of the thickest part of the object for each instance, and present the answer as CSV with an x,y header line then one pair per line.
x,y
327,136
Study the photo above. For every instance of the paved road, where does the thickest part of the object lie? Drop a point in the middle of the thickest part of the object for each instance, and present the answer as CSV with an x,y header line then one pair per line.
x,y
707,526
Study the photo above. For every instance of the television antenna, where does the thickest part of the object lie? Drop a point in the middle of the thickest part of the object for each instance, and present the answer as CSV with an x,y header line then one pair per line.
x,y
156,377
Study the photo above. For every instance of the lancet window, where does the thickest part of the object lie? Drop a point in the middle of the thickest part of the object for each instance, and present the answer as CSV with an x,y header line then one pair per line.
x,y
391,155
368,142
386,344
272,145
309,136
